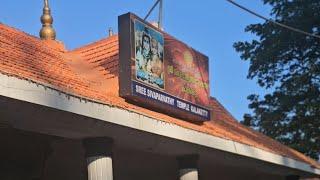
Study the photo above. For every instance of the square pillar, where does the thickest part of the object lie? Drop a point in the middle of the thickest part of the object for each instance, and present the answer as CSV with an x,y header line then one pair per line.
x,y
188,167
98,152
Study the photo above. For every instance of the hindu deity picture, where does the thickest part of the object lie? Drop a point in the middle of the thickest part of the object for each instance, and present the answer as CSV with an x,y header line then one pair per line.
x,y
149,63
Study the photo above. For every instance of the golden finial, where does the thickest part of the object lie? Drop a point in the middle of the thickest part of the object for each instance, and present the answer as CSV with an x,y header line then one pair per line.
x,y
47,32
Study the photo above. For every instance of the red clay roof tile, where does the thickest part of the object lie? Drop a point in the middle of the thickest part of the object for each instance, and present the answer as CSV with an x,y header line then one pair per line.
x,y
92,72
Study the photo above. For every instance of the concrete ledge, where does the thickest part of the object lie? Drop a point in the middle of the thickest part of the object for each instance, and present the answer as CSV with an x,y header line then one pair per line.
x,y
45,95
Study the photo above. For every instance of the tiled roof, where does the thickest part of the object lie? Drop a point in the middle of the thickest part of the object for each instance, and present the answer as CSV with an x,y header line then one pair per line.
x,y
92,72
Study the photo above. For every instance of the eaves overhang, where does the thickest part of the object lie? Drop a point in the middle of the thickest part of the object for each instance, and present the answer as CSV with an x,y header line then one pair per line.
x,y
48,96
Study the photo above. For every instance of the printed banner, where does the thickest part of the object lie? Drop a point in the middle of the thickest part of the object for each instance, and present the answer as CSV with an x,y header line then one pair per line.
x,y
149,55
186,72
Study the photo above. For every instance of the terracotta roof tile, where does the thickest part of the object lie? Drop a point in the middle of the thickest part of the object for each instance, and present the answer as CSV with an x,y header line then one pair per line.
x,y
92,72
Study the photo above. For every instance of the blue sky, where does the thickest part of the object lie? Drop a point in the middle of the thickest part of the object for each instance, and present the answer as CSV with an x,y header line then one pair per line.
x,y
210,26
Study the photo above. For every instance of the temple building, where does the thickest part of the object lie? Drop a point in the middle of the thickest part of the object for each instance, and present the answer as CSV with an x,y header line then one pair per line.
x,y
62,117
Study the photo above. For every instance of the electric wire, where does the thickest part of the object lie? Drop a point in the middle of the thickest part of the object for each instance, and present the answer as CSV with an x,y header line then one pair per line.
x,y
272,21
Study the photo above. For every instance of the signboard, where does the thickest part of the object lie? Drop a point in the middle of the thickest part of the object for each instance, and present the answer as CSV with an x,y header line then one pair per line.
x,y
160,72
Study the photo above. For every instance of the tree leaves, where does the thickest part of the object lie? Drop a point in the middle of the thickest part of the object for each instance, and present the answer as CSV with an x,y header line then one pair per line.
x,y
289,63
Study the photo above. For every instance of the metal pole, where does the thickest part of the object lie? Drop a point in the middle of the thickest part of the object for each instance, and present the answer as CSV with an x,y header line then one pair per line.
x,y
151,10
160,14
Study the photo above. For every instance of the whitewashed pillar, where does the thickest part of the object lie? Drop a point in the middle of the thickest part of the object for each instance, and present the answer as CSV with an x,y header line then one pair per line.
x,y
98,153
188,167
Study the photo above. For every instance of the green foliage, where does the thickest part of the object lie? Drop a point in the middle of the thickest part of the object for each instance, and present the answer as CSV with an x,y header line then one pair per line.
x,y
288,63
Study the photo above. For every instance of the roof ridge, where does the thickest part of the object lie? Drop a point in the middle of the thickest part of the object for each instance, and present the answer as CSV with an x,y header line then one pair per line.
x,y
222,107
51,44
93,44
17,30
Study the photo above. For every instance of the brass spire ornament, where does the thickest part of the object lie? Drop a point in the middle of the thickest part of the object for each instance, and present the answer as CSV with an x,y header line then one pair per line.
x,y
47,32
